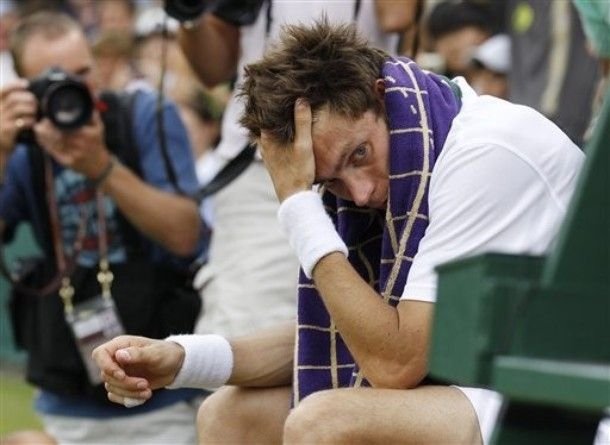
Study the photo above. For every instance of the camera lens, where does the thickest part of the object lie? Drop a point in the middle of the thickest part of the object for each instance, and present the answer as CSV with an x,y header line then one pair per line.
x,y
68,105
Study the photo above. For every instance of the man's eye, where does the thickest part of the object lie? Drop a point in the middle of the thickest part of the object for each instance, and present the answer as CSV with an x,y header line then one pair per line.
x,y
359,153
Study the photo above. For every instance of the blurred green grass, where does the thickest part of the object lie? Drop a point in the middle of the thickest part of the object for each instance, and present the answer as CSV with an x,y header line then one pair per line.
x,y
16,405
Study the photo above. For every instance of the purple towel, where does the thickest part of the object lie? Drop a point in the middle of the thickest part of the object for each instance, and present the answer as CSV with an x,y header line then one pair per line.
x,y
420,108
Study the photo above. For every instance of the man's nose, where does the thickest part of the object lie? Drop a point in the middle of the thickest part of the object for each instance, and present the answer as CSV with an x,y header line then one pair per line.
x,y
359,191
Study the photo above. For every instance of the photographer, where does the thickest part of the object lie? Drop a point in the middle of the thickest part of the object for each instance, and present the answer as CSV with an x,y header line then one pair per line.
x,y
99,181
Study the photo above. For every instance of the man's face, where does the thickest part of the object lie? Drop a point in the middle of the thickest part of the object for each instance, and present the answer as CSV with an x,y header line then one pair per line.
x,y
70,52
456,47
351,157
484,81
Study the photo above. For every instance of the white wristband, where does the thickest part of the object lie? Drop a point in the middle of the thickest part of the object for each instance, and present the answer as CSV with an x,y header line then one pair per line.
x,y
208,361
310,231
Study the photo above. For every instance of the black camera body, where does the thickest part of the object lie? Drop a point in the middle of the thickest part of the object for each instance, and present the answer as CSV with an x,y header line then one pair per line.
x,y
237,12
186,10
63,98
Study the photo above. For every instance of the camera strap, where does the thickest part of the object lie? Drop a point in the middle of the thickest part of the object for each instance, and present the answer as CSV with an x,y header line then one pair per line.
x,y
228,173
169,168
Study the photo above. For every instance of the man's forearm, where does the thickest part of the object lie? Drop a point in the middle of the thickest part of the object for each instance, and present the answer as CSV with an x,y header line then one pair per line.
x,y
264,359
390,351
212,49
170,220
394,15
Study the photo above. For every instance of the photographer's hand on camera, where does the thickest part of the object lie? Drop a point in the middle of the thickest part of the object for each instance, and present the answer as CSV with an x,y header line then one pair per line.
x,y
82,150
17,112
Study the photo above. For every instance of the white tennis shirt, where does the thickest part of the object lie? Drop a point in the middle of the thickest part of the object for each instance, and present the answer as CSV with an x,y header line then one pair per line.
x,y
502,183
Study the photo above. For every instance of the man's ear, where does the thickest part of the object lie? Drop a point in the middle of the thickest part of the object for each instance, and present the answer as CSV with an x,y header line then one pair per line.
x,y
380,88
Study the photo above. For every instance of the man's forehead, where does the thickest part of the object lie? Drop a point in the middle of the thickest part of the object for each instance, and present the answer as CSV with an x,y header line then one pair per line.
x,y
33,59
332,142
329,124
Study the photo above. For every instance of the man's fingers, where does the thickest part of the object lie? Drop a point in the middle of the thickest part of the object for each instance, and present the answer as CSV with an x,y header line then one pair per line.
x,y
24,122
130,402
123,356
127,402
21,98
96,119
128,382
125,392
134,355
103,357
16,85
302,123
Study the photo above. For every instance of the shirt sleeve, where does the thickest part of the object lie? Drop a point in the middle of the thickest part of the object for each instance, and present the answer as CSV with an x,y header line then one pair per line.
x,y
153,166
13,208
178,145
484,198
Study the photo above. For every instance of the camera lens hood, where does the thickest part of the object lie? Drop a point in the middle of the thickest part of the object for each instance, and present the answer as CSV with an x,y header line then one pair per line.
x,y
68,104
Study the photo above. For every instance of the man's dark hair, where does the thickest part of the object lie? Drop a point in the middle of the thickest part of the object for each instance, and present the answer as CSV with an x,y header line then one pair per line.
x,y
48,23
328,65
450,16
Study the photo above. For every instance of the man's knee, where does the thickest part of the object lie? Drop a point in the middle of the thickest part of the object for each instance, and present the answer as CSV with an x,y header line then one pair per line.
x,y
319,418
216,413
243,415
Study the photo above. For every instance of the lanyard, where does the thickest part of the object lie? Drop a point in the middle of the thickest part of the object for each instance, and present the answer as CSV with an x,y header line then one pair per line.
x,y
105,275
65,266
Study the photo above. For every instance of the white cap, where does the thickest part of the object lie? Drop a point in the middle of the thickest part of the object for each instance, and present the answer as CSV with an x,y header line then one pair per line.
x,y
494,53
150,21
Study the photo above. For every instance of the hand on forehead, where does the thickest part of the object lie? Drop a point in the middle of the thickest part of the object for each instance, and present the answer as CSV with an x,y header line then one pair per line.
x,y
291,165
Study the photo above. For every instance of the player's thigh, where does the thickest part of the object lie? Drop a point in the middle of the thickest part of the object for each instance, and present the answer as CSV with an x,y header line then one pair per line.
x,y
244,415
428,414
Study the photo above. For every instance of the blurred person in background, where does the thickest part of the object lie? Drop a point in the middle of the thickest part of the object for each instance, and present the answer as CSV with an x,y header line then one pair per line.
x,y
8,19
156,47
405,20
113,58
156,54
113,43
114,221
117,16
489,67
551,69
84,11
201,112
595,18
454,30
